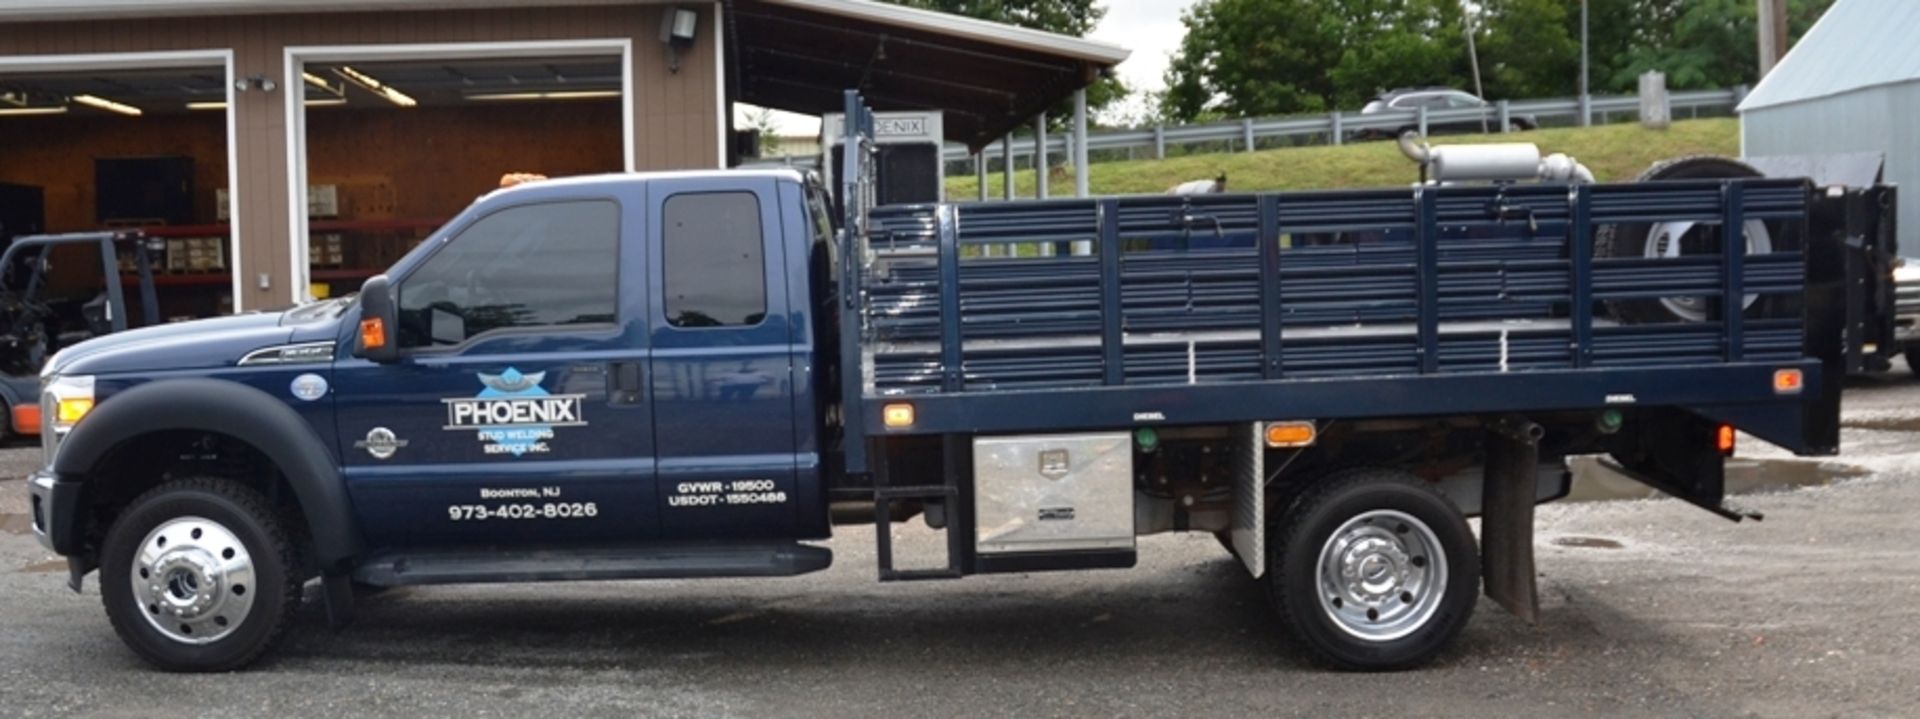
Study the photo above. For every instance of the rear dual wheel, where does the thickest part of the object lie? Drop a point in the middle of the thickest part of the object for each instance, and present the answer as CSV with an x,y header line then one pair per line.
x,y
1373,570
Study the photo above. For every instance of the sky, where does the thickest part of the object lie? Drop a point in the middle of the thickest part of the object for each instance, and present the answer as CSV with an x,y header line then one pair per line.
x,y
1150,28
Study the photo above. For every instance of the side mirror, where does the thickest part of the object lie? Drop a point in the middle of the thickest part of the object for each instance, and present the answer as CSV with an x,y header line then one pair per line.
x,y
379,339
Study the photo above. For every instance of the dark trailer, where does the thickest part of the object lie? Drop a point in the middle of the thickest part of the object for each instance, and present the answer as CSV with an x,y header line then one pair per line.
x,y
1255,359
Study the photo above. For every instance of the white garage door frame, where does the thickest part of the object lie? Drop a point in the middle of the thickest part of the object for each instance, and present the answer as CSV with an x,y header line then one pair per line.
x,y
167,60
297,58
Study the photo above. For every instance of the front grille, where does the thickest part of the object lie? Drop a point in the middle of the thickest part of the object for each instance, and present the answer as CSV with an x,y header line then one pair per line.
x,y
1906,299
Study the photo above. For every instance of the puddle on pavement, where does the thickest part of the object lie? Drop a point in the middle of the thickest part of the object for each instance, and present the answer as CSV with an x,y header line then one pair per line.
x,y
1883,424
14,523
1593,482
1587,542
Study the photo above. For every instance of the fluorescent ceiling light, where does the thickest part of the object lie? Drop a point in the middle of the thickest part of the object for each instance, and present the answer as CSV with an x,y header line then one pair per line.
x,y
326,102
563,95
101,103
375,86
215,105
17,111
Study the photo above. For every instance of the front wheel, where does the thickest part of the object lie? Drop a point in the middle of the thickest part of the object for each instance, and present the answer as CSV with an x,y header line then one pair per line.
x,y
199,575
1374,570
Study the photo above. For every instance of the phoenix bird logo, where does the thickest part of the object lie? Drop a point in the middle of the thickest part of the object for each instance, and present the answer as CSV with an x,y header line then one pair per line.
x,y
511,381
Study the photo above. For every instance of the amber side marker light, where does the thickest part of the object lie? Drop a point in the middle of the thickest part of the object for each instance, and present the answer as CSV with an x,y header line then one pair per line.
x,y
897,415
1290,434
1788,381
1723,440
373,333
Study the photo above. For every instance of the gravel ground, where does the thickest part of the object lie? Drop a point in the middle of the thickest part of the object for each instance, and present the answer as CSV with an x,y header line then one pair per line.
x,y
1672,612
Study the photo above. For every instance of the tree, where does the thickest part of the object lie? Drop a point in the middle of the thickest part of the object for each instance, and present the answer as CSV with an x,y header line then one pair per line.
x,y
1265,57
1526,48
1699,44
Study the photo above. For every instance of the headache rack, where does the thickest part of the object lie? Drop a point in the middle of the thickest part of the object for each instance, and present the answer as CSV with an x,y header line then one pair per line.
x,y
1087,313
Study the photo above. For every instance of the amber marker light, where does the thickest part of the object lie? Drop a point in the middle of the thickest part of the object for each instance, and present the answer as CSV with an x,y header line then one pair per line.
x,y
373,333
898,415
1788,381
1297,433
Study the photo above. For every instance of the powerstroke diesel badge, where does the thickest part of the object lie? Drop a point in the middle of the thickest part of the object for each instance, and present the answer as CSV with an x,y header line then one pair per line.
x,y
514,414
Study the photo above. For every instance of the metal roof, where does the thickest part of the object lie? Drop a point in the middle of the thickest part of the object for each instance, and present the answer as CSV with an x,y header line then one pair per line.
x,y
862,10
987,78
1857,44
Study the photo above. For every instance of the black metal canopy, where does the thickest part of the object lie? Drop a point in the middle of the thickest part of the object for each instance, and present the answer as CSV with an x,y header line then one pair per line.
x,y
800,55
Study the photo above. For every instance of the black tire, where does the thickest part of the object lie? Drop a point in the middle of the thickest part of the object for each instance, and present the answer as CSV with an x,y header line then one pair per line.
x,y
265,536
1631,240
1302,532
1913,360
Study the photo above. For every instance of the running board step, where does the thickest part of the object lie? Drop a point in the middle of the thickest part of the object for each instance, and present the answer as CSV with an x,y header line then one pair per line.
x,y
652,561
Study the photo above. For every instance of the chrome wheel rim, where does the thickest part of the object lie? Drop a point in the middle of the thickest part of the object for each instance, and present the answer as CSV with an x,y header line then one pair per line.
x,y
1667,240
193,580
1382,575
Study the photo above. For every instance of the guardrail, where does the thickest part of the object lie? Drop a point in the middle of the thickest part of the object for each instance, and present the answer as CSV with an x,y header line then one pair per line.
x,y
1244,135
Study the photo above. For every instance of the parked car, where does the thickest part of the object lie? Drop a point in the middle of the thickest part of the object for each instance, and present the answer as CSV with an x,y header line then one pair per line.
x,y
1411,99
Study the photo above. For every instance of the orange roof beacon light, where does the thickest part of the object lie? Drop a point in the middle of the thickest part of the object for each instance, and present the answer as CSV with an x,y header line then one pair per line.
x,y
516,178
1723,440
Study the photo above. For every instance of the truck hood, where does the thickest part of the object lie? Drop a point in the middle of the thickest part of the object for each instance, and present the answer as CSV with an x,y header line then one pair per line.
x,y
200,344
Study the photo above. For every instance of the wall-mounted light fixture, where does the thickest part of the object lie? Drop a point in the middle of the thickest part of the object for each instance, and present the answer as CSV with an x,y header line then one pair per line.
x,y
257,82
678,28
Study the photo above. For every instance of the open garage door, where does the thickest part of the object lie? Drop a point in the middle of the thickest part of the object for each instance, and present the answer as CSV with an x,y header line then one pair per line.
x,y
392,145
124,146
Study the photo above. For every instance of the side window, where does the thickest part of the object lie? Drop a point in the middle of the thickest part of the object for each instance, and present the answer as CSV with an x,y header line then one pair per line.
x,y
712,265
1463,101
530,266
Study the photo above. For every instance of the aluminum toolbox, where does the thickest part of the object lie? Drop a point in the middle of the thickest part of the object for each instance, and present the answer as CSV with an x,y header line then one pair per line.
x,y
1052,493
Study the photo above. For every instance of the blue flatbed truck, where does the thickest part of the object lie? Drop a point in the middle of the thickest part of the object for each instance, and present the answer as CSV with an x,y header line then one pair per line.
x,y
695,374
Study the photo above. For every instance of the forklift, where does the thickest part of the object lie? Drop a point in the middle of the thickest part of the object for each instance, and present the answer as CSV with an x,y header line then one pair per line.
x,y
34,326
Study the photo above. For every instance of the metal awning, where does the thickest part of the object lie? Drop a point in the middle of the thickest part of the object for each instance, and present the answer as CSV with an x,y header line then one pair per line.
x,y
988,78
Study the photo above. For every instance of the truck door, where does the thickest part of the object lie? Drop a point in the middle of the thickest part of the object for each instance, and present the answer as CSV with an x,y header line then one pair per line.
x,y
517,412
722,378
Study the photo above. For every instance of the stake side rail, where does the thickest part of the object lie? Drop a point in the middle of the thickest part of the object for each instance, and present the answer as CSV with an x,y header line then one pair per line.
x,y
1075,314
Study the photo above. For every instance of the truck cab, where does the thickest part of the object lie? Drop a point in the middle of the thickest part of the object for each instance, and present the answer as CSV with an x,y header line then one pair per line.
x,y
598,362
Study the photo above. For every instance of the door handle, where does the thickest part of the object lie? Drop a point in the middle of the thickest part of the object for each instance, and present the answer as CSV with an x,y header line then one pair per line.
x,y
627,387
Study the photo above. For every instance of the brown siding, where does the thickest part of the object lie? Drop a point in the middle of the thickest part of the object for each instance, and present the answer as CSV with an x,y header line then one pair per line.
x,y
675,114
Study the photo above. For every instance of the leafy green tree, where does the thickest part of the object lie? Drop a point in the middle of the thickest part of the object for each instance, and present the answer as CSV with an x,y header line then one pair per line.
x,y
1266,57
1698,43
1525,48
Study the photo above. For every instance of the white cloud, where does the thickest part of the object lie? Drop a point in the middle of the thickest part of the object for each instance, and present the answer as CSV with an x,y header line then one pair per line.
x,y
1152,30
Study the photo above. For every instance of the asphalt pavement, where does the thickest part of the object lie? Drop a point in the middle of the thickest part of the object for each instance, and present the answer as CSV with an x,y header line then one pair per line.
x,y
1650,607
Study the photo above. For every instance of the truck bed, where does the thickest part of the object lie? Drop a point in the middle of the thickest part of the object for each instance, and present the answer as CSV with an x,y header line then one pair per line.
x,y
1090,311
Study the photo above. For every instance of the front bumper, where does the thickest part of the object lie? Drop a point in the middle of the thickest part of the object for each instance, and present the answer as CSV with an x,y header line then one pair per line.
x,y
55,506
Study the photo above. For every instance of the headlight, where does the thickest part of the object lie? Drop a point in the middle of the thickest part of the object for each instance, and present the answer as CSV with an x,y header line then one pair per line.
x,y
65,400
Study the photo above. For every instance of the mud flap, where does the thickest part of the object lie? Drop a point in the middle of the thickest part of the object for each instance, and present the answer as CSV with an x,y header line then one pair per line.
x,y
1506,520
1249,528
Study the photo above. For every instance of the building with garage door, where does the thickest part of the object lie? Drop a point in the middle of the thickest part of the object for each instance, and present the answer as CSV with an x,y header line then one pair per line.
x,y
282,149
1851,85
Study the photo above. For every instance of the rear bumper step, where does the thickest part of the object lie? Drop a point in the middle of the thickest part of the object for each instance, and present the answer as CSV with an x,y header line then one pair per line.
x,y
662,561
